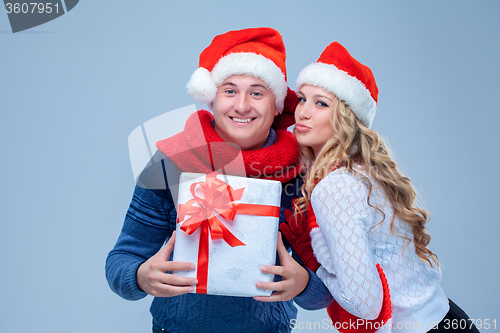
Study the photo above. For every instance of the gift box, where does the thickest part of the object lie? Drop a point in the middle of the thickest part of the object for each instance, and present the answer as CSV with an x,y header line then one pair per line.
x,y
228,227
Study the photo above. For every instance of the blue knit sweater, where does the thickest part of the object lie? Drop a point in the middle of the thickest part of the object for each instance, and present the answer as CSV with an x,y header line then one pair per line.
x,y
149,222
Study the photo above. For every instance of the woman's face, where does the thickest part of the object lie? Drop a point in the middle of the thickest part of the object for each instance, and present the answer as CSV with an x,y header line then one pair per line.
x,y
244,111
312,117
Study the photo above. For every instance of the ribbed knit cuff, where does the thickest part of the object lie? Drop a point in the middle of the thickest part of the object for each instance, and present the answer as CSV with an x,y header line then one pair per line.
x,y
315,295
131,284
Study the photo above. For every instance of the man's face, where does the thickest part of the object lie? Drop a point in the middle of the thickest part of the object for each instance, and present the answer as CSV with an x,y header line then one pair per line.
x,y
244,110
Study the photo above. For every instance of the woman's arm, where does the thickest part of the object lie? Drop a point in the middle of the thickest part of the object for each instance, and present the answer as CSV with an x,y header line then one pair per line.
x,y
343,216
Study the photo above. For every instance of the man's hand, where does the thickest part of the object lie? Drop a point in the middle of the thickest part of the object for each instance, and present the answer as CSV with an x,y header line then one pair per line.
x,y
152,275
295,277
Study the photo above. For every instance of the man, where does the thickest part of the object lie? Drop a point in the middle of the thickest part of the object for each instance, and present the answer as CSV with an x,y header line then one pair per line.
x,y
242,76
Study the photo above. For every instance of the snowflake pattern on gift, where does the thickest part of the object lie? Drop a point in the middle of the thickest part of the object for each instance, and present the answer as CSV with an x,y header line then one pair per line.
x,y
240,235
211,252
256,201
212,290
268,248
247,224
234,273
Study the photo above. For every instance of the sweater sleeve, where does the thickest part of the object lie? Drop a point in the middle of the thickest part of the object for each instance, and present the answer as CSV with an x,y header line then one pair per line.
x,y
343,216
149,222
315,295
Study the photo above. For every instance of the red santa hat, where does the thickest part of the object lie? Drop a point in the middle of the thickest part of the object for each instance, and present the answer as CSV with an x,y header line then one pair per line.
x,y
339,73
259,52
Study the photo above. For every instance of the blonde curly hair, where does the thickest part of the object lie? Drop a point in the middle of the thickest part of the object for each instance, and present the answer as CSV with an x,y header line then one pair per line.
x,y
353,143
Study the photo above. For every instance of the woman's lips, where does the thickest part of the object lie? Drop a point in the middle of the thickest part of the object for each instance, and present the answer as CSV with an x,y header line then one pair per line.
x,y
302,128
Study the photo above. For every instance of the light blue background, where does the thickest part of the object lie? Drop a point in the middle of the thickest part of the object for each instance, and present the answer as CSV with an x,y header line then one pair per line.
x,y
73,89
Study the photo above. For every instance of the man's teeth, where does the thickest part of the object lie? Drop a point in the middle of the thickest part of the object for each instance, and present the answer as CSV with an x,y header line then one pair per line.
x,y
238,120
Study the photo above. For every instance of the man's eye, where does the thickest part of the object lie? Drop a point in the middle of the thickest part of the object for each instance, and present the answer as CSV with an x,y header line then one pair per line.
x,y
256,93
301,99
229,91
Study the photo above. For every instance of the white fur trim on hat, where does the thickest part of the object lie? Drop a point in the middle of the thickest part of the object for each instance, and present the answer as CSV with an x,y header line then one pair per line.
x,y
202,88
346,87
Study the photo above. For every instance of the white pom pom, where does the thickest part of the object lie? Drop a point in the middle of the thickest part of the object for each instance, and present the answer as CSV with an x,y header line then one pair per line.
x,y
201,86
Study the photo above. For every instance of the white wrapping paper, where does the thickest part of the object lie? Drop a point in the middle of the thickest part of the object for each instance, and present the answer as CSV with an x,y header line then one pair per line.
x,y
234,271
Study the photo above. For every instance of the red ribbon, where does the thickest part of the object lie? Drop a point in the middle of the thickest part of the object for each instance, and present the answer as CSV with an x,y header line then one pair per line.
x,y
218,198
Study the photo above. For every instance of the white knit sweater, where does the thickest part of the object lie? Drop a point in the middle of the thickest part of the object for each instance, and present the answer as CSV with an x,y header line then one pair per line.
x,y
349,243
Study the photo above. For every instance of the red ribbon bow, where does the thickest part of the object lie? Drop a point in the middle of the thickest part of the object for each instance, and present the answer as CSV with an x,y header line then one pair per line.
x,y
218,198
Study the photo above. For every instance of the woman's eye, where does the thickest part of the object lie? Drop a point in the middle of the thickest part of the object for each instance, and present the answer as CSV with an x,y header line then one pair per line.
x,y
322,104
302,99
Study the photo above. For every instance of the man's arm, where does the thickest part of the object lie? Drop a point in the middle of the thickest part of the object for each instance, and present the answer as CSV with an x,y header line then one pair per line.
x,y
150,220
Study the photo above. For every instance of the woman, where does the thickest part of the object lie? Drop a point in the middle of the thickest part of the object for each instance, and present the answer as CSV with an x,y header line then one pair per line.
x,y
364,207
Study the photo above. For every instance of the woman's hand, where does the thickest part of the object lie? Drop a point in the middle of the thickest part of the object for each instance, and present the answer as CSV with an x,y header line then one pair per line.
x,y
153,278
296,231
295,277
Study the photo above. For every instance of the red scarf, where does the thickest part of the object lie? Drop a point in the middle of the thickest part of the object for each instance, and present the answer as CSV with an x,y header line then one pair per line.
x,y
198,148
